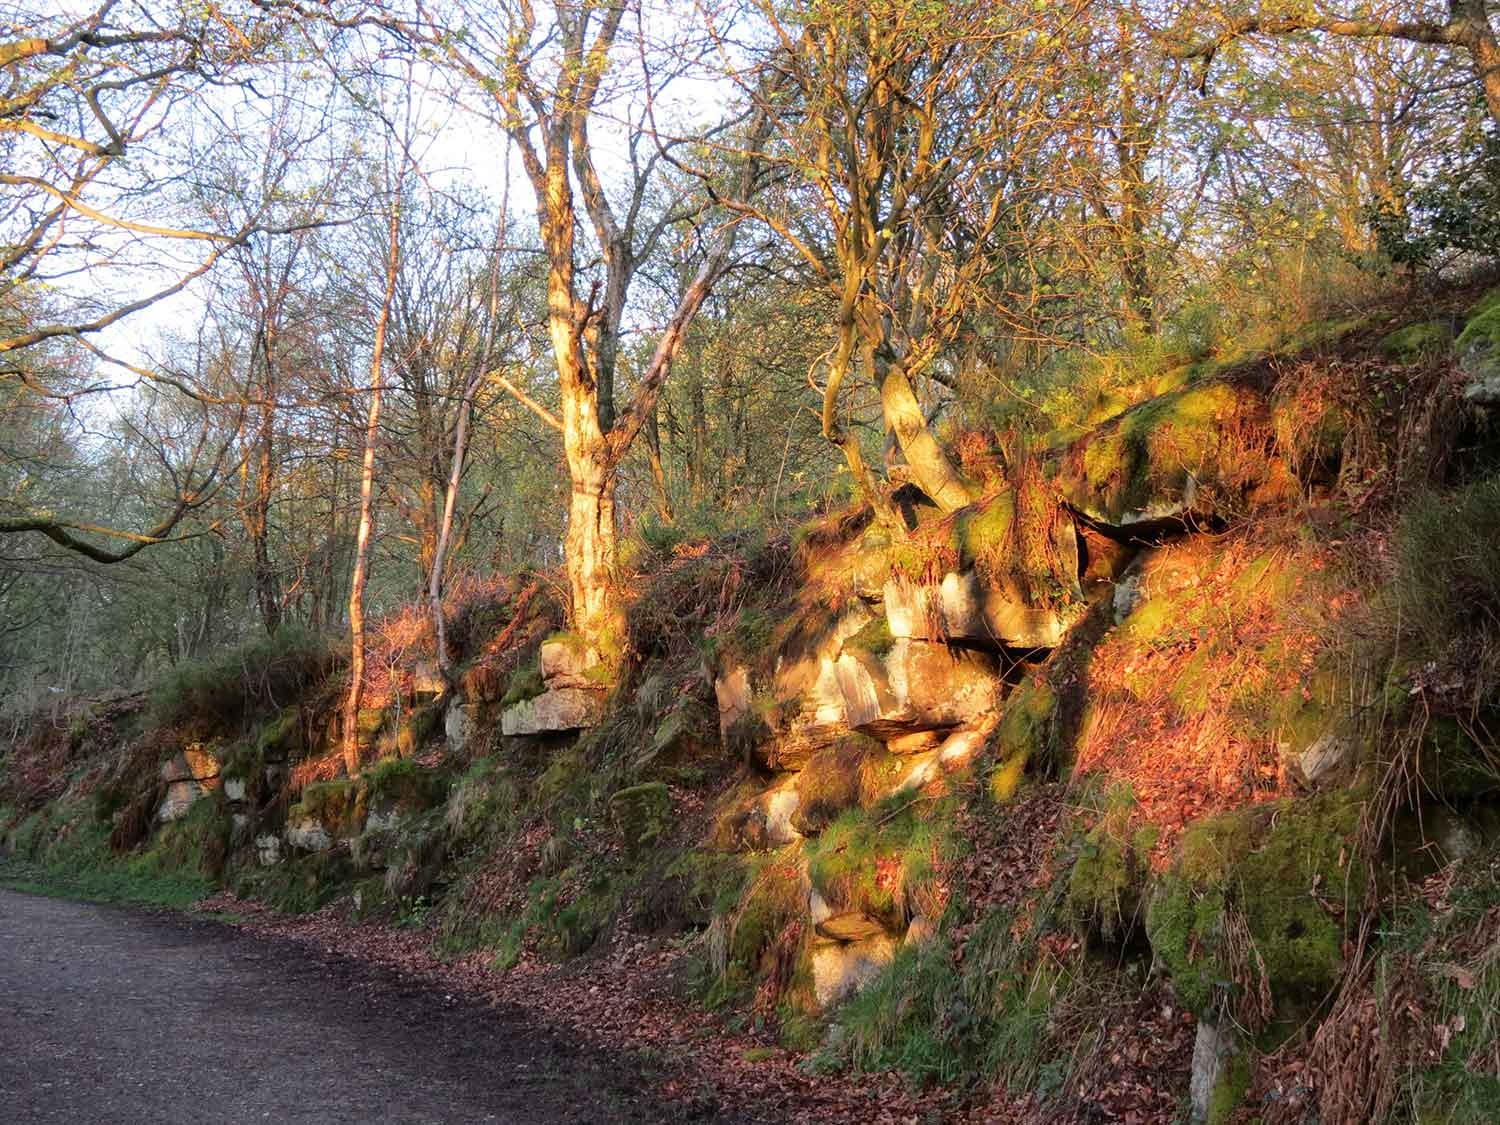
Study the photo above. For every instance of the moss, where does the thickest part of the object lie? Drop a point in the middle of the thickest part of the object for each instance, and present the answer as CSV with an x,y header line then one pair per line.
x,y
525,683
1416,342
404,783
774,897
1027,736
281,738
1482,332
875,638
885,860
851,773
1141,463
485,801
1289,867
1229,1091
642,814
1107,881
420,727
339,806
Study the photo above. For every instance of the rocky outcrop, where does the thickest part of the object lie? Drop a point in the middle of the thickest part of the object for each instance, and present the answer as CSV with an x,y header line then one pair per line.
x,y
187,775
966,607
1478,348
560,710
915,686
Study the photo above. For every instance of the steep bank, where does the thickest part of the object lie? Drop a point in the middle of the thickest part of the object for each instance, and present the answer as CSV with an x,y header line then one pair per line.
x,y
1156,781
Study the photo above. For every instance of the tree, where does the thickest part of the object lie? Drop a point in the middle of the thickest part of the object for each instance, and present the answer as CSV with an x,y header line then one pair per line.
x,y
1468,27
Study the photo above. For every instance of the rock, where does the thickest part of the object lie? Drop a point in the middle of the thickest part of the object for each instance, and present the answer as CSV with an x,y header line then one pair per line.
x,y
457,725
383,817
915,686
180,796
851,925
1126,597
268,850
817,906
192,763
960,747
567,661
920,931
917,743
239,826
1213,1051
309,836
735,699
1478,348
1325,758
234,788
966,608
427,680
921,771
561,709
1193,453
766,820
841,969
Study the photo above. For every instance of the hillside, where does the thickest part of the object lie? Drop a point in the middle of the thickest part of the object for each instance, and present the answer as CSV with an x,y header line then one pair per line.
x,y
1160,781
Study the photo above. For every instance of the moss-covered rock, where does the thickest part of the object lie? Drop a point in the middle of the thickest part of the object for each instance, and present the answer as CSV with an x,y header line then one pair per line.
x,y
1027,735
1197,452
1416,342
1478,348
1288,868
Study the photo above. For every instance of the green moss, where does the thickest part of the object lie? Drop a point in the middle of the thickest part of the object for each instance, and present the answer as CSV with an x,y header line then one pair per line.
x,y
281,738
1027,736
642,814
884,860
1229,1091
1416,342
1289,867
774,898
1108,878
875,638
525,683
1482,332
338,805
404,783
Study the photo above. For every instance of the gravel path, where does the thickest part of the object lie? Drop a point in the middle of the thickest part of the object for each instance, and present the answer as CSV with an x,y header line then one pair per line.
x,y
110,1014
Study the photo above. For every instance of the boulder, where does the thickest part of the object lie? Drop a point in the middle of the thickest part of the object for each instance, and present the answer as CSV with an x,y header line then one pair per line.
x,y
1193,453
919,931
268,850
555,711
915,686
1478,348
234,788
458,723
1324,759
840,969
735,698
309,835
567,661
965,607
766,820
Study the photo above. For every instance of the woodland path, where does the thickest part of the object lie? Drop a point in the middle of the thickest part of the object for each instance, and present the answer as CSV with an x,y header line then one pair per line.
x,y
120,1015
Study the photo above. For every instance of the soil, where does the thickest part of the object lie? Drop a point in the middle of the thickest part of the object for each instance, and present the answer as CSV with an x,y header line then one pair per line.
x,y
125,1015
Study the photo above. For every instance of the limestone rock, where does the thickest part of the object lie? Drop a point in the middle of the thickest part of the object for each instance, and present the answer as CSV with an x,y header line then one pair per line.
x,y
919,931
457,725
915,686
180,797
735,699
1213,1050
766,820
840,969
309,836
561,709
964,607
1478,348
234,788
1325,758
192,763
850,925
268,850
567,662
427,680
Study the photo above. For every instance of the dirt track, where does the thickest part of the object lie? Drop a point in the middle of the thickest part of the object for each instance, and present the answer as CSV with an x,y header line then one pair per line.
x,y
115,1015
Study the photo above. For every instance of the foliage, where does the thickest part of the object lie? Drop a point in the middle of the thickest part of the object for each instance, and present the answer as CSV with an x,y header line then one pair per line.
x,y
219,691
1455,208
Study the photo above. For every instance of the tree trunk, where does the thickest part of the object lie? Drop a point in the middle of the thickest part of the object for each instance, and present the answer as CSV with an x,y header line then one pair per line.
x,y
366,510
930,466
445,531
589,553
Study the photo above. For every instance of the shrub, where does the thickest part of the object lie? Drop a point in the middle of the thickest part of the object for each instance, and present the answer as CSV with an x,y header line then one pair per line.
x,y
264,673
